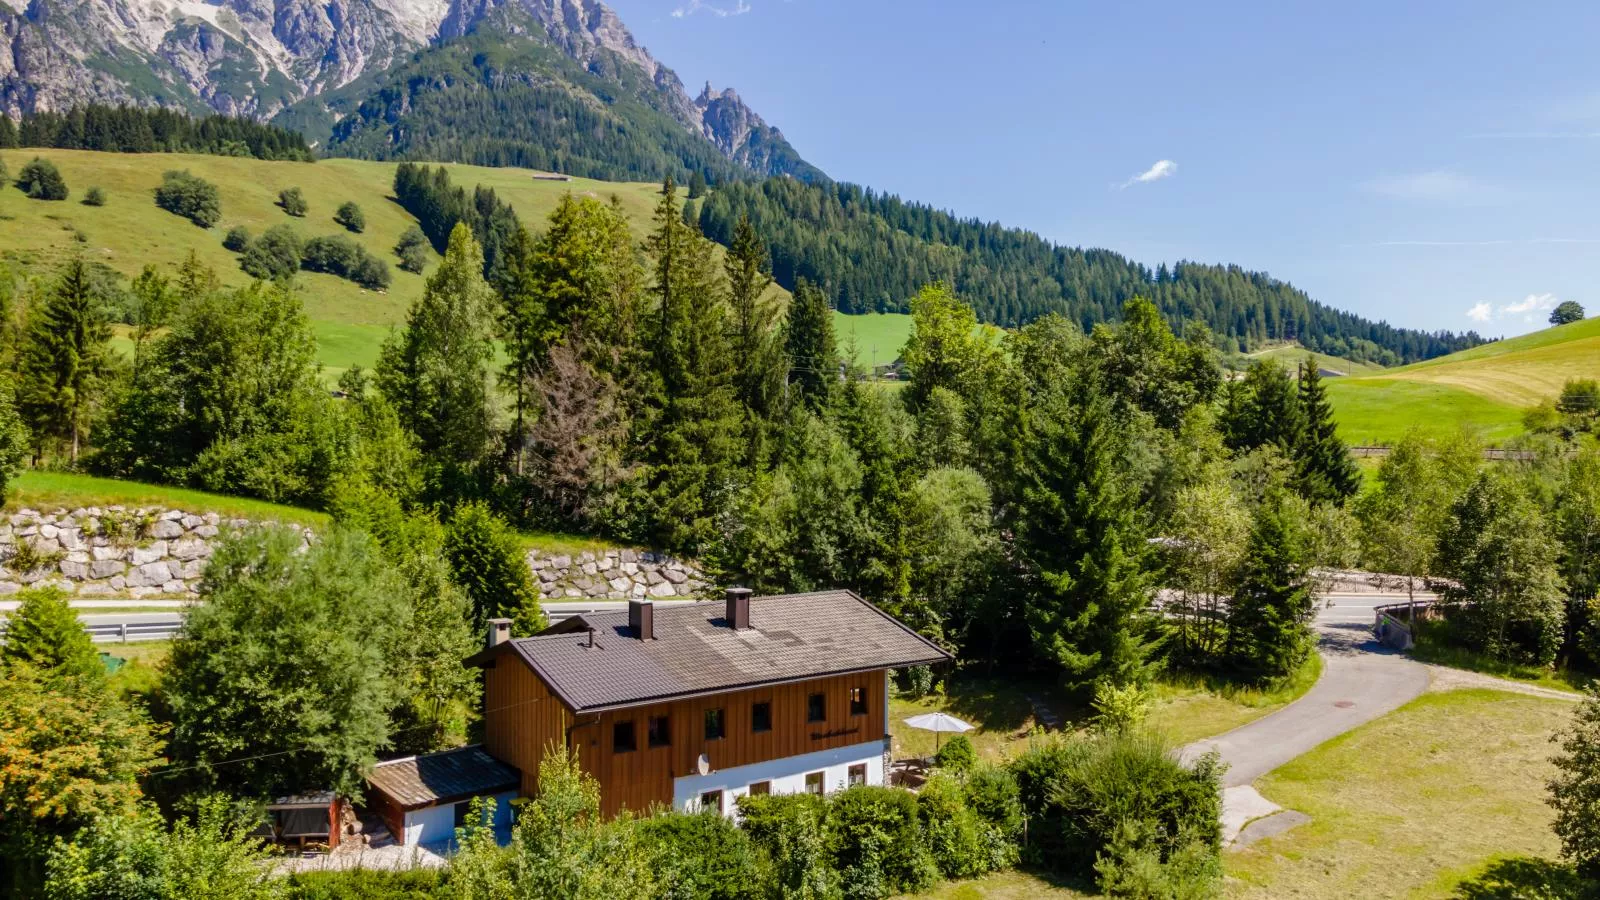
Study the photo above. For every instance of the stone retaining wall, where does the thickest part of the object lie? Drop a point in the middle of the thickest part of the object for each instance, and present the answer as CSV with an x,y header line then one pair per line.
x,y
110,552
121,552
613,575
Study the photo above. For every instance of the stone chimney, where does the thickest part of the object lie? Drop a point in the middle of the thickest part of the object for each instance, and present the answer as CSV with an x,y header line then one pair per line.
x,y
642,619
738,614
499,631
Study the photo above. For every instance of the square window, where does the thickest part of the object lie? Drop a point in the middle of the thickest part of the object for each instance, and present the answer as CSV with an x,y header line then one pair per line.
x,y
711,800
814,783
761,716
858,701
761,789
660,731
817,708
858,774
622,738
715,727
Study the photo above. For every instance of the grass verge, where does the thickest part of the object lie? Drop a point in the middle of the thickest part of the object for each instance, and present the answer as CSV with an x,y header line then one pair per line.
x,y
1410,804
1012,885
47,490
1190,708
1434,646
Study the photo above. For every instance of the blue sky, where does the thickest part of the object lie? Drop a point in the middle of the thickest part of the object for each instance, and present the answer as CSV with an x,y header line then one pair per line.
x,y
1431,164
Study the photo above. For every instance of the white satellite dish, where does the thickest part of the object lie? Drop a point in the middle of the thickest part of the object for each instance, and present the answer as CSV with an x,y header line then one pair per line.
x,y
703,765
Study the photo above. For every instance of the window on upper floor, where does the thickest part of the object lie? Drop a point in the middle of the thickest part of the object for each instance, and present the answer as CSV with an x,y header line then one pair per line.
x,y
660,731
817,708
716,727
622,740
761,717
858,701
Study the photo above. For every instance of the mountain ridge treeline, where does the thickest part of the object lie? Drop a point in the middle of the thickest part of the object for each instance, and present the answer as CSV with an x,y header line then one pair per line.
x,y
129,129
871,252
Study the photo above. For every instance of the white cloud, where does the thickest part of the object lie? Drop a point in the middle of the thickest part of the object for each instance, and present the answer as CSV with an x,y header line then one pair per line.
x,y
739,8
1437,185
1163,168
1530,308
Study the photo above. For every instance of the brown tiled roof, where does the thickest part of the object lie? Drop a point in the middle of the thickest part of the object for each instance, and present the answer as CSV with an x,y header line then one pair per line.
x,y
442,777
791,637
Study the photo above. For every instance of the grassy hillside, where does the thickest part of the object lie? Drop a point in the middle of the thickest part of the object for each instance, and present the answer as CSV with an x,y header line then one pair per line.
x,y
874,338
1486,388
130,230
1292,354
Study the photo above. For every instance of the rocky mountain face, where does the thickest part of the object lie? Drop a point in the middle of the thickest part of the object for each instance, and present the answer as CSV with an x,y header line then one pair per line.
x,y
259,57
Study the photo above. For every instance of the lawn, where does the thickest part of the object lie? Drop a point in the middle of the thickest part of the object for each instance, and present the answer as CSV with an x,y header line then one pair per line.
x,y
1184,710
1004,886
1413,804
1435,646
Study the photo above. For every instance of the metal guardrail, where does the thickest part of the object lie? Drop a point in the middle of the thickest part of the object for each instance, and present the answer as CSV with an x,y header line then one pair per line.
x,y
167,629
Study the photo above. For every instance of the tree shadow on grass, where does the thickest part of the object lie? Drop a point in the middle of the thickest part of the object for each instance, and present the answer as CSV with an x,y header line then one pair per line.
x,y
1000,703
1526,878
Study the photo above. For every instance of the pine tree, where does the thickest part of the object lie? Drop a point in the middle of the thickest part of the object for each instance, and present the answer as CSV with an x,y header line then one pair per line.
x,y
436,371
1079,534
1264,409
13,437
1326,471
524,330
809,342
697,185
64,364
1269,620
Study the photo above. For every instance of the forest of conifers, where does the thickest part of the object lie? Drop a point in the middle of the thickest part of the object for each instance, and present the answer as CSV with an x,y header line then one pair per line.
x,y
124,129
871,251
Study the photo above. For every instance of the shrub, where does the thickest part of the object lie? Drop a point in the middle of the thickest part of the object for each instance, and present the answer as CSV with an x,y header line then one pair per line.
x,y
876,843
365,884
237,239
993,794
788,831
1084,795
351,217
412,250
41,180
956,754
276,254
1118,710
960,842
915,681
94,196
700,855
292,201
196,199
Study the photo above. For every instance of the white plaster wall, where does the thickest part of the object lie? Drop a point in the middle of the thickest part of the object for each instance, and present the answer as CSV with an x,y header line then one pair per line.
x,y
436,825
788,775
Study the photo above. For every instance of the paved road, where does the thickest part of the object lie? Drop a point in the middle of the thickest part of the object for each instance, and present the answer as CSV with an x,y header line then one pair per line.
x,y
1361,680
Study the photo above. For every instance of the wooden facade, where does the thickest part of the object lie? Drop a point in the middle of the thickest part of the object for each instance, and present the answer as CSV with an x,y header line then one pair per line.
x,y
522,718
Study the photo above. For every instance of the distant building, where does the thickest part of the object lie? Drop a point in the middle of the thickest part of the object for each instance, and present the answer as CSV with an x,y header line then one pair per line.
x,y
691,705
550,176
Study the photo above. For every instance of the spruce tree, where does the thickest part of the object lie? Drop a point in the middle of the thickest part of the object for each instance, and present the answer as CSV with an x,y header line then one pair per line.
x,y
1264,408
436,371
64,364
524,331
695,452
755,321
13,437
45,633
1269,620
1326,471
1080,539
697,185
813,354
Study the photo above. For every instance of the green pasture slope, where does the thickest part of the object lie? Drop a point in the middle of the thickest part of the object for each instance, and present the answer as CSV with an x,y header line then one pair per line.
x,y
1485,389
130,231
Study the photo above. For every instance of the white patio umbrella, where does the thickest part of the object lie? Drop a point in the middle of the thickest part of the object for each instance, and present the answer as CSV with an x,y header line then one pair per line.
x,y
938,723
